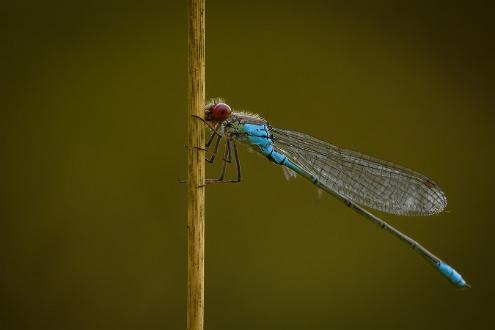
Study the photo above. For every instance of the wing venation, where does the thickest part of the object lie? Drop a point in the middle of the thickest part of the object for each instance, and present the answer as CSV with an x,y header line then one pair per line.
x,y
366,180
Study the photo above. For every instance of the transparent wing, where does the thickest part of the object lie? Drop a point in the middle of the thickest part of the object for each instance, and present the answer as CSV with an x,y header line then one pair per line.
x,y
365,180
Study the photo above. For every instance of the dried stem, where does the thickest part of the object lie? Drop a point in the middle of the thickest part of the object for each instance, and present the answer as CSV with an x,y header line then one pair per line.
x,y
196,166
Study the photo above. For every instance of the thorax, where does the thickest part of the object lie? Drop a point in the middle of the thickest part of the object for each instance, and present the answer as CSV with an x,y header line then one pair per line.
x,y
246,127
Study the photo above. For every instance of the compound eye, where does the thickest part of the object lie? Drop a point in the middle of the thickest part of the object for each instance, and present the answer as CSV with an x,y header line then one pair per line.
x,y
220,112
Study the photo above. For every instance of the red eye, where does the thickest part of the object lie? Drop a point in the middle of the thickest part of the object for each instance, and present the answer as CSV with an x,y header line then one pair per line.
x,y
220,112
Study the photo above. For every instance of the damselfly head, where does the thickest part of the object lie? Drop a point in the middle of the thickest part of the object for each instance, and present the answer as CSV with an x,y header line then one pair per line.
x,y
217,112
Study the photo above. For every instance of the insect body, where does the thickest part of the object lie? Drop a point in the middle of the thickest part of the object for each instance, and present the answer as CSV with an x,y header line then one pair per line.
x,y
355,179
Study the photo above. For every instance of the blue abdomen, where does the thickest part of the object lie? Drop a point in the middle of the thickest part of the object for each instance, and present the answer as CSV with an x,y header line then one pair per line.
x,y
452,275
259,135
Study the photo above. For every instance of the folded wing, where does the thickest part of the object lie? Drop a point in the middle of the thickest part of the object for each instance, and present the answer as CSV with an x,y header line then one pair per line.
x,y
365,180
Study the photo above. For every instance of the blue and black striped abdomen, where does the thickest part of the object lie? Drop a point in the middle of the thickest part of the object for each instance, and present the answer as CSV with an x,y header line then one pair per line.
x,y
259,135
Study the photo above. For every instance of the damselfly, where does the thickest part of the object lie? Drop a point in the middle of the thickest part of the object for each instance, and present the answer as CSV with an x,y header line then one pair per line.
x,y
353,178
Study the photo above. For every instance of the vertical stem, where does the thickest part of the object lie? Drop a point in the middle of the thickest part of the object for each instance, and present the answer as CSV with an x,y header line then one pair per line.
x,y
196,166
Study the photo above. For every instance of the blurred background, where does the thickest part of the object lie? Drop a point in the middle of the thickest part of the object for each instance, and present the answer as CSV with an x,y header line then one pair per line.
x,y
93,127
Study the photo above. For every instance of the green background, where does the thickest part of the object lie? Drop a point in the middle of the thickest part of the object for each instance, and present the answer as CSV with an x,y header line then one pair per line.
x,y
93,127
